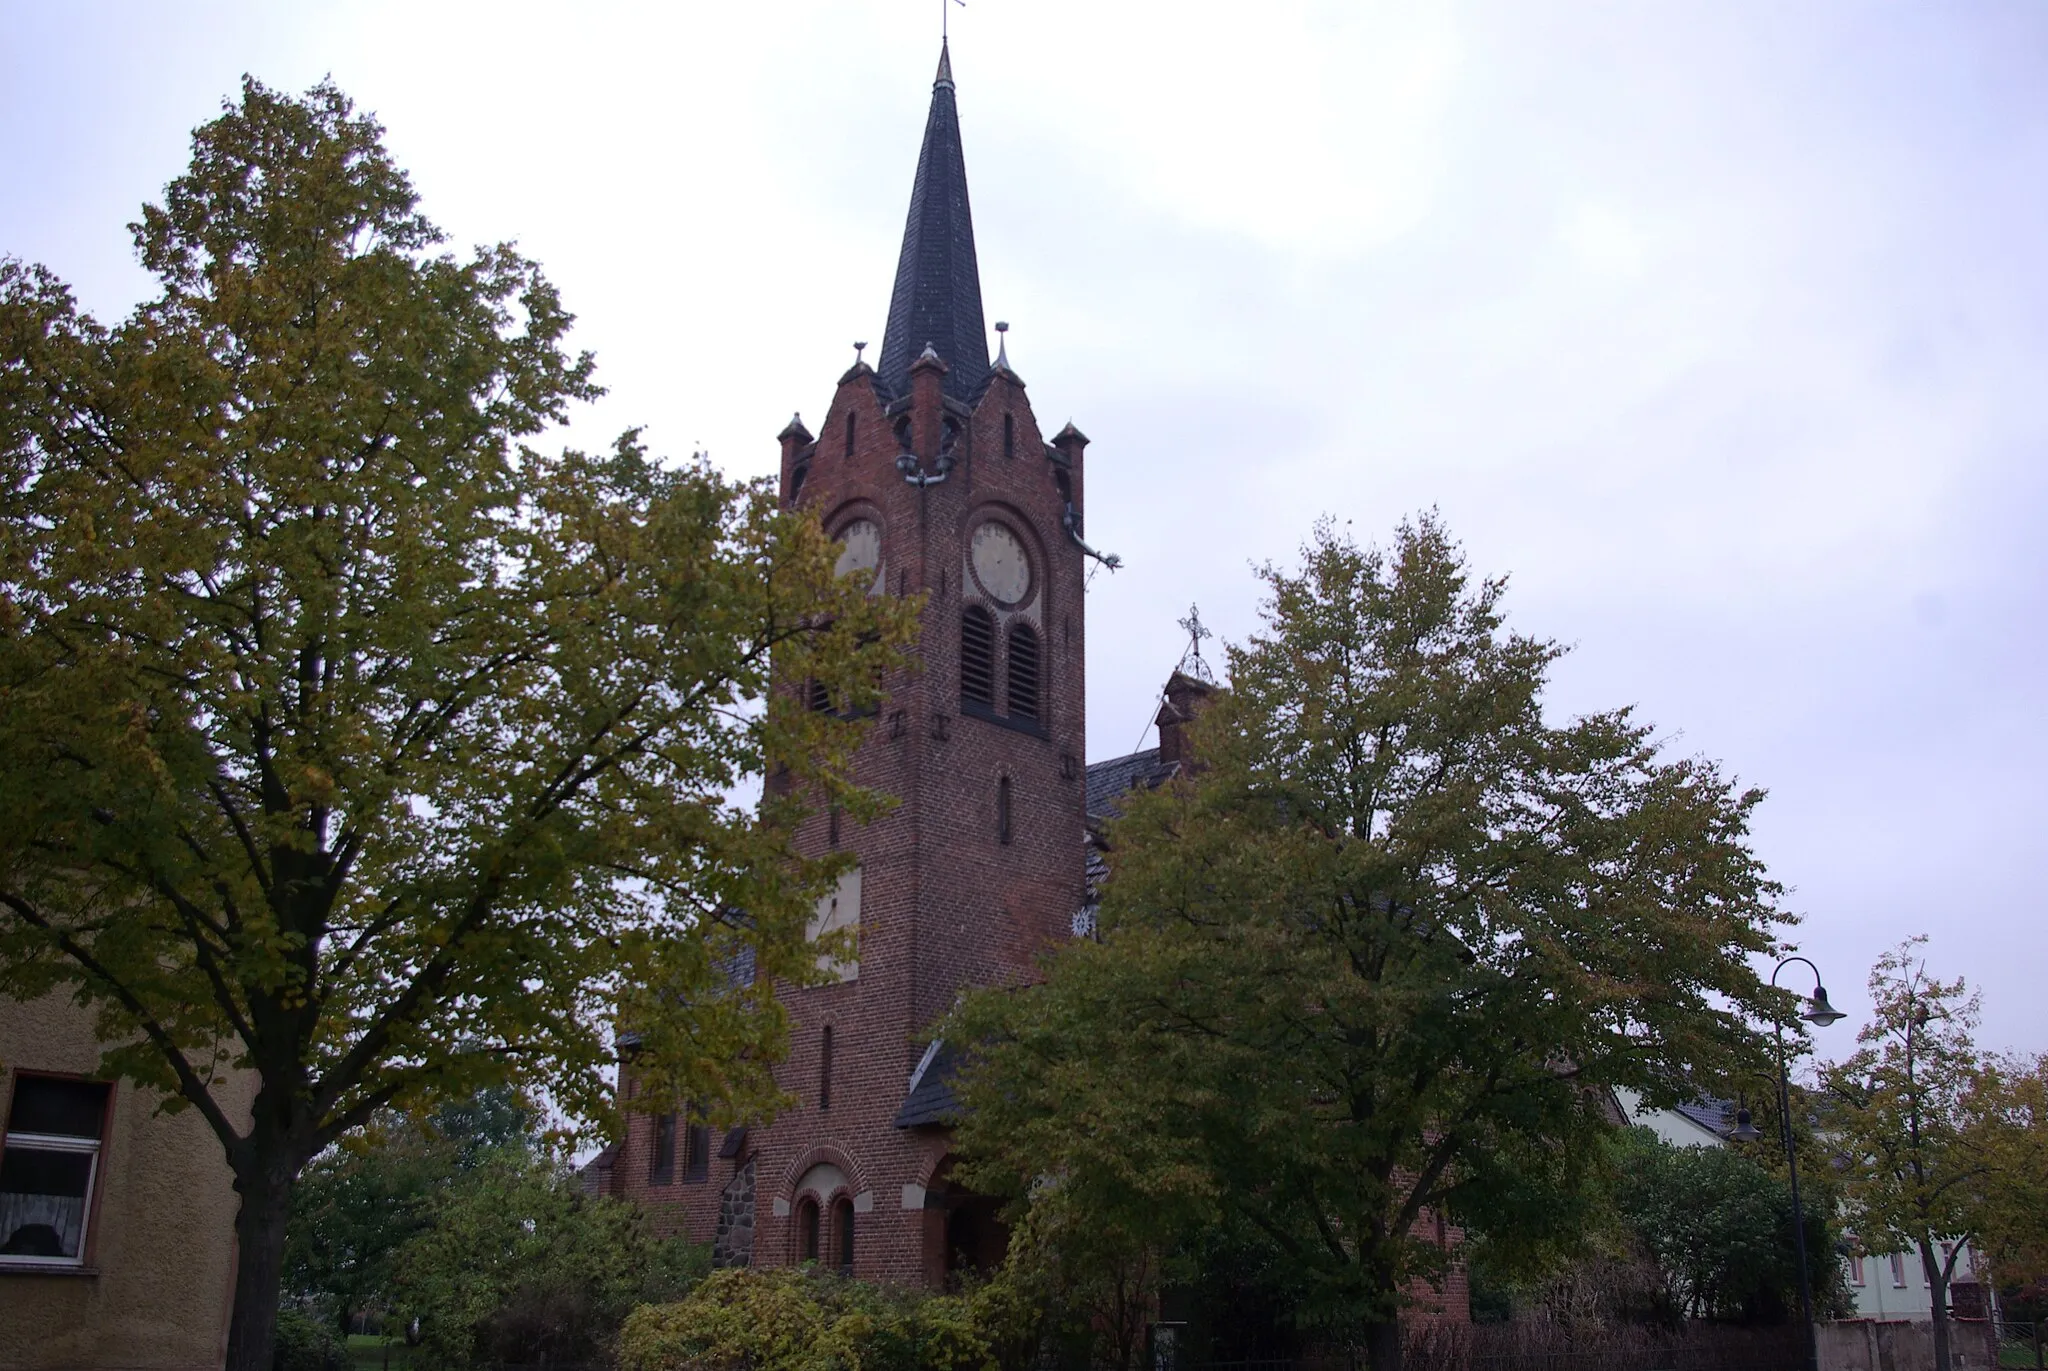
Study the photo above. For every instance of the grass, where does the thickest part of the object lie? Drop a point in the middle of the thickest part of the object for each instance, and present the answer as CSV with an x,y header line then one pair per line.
x,y
367,1352
2016,1354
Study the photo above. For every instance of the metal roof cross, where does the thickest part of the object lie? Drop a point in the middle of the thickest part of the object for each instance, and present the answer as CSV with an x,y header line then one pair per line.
x,y
1191,661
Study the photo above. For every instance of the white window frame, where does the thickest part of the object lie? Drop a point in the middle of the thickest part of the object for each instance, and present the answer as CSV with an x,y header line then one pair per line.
x,y
60,1142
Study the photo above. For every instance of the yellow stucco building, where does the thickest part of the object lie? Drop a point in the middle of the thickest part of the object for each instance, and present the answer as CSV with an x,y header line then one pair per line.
x,y
116,1221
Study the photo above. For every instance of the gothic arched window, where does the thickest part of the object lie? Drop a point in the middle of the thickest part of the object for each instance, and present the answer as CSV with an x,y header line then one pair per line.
x,y
978,656
1023,695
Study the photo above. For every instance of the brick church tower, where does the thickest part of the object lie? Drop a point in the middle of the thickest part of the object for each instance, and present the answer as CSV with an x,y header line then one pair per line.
x,y
932,470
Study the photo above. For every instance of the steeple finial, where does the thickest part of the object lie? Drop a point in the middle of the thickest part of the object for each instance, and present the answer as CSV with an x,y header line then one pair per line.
x,y
1191,663
937,297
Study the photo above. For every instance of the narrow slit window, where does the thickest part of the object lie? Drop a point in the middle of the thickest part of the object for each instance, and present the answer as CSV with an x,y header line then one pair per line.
x,y
978,656
1009,435
1024,672
48,1164
1003,809
807,1230
696,1149
849,433
661,1161
825,1068
842,1234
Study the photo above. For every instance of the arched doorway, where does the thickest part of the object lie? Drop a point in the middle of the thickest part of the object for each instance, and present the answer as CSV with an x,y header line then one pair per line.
x,y
964,1231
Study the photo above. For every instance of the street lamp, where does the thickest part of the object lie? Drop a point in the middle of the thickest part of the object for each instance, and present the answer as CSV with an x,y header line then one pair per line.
x,y
1820,1014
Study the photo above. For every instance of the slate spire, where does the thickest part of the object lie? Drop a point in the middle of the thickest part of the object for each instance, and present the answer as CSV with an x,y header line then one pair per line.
x,y
937,299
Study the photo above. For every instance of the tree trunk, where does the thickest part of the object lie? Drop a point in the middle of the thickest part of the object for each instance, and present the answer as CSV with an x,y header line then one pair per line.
x,y
1383,1345
1937,1298
259,1265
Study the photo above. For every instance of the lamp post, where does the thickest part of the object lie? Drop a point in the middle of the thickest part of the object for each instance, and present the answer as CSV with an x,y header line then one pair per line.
x,y
1820,1014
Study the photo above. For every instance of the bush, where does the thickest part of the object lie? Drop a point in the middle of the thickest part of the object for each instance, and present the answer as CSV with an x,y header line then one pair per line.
x,y
305,1343
800,1320
516,1265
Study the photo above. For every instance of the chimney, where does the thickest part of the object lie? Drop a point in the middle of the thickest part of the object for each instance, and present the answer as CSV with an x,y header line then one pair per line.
x,y
1186,697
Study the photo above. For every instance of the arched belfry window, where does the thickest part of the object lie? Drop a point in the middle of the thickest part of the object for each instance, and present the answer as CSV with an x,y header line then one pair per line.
x,y
978,656
1024,672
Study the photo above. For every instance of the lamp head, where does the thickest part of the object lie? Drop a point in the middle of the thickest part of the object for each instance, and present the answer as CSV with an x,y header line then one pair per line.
x,y
1745,1128
1818,1011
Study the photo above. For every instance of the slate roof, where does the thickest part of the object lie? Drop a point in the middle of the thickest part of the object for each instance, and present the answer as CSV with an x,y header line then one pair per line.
x,y
1107,780
1715,1115
937,299
931,1100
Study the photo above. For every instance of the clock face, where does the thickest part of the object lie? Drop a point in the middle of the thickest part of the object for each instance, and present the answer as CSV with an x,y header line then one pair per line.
x,y
861,547
1001,567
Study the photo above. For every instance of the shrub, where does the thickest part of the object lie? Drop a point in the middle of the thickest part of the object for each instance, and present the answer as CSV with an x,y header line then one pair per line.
x,y
516,1265
305,1343
800,1320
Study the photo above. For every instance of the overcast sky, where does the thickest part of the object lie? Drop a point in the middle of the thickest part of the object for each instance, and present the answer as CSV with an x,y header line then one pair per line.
x,y
1722,327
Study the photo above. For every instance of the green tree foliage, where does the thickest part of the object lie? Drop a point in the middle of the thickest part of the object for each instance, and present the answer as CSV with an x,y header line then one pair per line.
x,y
802,1320
1719,1228
346,743
358,1203
513,1263
1919,1126
306,1343
2010,1110
1372,964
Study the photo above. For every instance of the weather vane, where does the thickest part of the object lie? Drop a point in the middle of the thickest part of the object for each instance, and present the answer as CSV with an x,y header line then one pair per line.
x,y
1191,661
945,13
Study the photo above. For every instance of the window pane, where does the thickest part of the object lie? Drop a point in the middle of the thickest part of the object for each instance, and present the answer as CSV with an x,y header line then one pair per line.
x,y
42,1202
71,1109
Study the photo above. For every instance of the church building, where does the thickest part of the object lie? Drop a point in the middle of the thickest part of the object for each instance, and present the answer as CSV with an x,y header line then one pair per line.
x,y
933,470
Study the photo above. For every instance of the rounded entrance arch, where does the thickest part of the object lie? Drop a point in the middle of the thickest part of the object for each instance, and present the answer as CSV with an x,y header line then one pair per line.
x,y
964,1232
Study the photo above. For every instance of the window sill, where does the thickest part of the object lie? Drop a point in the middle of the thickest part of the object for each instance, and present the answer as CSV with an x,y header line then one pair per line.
x,y
1030,727
18,1268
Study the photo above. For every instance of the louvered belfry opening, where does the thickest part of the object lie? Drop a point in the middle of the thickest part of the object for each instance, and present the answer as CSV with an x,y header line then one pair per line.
x,y
1023,695
818,697
978,656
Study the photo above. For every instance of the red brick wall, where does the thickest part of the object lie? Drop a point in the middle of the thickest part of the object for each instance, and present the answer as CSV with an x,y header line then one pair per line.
x,y
944,904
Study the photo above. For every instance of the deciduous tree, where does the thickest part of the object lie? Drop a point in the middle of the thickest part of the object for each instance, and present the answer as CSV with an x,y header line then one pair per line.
x,y
346,742
1372,963
1918,1125
2010,1108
